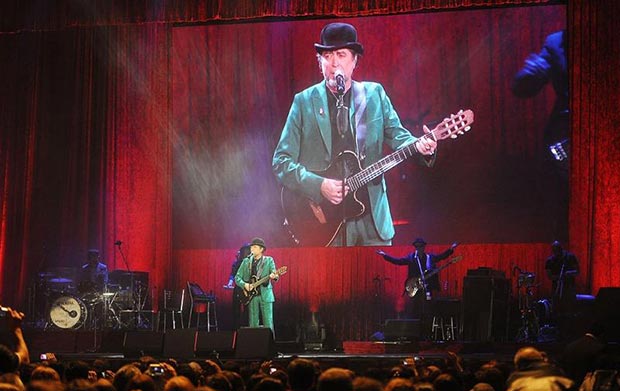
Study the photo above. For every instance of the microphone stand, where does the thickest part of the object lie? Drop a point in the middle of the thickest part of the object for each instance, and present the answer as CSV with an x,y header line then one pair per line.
x,y
131,281
342,129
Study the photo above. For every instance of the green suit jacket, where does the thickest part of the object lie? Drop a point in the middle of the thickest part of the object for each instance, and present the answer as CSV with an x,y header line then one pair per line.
x,y
244,274
306,143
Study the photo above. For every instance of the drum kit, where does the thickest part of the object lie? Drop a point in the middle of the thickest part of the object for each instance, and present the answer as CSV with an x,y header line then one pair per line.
x,y
61,303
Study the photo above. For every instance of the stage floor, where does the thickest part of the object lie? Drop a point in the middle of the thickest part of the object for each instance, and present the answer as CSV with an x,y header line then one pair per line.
x,y
188,344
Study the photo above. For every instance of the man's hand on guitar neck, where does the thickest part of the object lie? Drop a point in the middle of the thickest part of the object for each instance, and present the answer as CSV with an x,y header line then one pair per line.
x,y
426,145
331,189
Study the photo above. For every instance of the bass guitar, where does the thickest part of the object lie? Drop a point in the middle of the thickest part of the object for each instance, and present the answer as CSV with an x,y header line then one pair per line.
x,y
317,224
414,284
248,295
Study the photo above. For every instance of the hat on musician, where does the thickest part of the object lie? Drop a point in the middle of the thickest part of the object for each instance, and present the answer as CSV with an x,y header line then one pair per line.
x,y
419,242
258,242
336,36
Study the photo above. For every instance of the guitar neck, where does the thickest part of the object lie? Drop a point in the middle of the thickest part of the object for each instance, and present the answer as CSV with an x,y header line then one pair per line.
x,y
261,281
380,167
450,262
450,127
278,272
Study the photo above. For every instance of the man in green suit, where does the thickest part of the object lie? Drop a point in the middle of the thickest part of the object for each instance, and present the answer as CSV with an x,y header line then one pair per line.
x,y
315,133
258,266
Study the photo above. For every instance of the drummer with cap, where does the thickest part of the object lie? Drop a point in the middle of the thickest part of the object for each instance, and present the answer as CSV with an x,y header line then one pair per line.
x,y
93,274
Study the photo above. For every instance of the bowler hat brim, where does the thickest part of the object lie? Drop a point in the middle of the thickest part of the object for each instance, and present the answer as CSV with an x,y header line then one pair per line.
x,y
356,47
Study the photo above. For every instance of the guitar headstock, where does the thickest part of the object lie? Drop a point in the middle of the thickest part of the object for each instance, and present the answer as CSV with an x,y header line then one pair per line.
x,y
282,270
457,124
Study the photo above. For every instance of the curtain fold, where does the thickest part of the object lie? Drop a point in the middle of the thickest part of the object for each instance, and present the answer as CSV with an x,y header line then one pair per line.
x,y
595,177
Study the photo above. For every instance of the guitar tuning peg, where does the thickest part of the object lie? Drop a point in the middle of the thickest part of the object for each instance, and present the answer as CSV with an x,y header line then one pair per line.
x,y
467,128
453,136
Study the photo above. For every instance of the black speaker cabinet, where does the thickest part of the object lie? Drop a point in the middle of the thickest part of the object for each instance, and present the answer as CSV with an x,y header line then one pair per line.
x,y
112,341
606,309
254,342
485,308
141,343
220,342
179,343
402,330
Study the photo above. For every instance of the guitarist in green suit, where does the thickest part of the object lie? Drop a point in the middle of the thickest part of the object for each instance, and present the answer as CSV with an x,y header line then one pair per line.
x,y
254,267
340,114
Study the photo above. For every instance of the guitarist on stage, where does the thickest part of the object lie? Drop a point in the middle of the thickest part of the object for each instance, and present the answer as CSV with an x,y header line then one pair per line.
x,y
254,267
420,263
339,114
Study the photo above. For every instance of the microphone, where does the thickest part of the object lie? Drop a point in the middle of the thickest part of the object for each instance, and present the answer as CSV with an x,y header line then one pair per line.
x,y
339,81
118,243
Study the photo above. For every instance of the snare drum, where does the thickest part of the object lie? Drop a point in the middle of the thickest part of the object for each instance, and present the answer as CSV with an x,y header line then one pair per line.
x,y
68,312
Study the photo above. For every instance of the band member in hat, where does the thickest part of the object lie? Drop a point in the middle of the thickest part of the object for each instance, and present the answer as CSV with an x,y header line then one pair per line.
x,y
418,264
237,308
253,268
341,114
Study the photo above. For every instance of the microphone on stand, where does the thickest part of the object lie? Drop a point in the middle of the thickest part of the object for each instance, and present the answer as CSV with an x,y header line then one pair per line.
x,y
339,81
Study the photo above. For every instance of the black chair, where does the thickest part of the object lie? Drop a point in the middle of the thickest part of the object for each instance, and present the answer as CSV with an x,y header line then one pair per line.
x,y
173,306
198,296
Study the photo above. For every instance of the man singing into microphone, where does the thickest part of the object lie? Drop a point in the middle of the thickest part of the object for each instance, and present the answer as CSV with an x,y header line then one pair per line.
x,y
339,114
254,267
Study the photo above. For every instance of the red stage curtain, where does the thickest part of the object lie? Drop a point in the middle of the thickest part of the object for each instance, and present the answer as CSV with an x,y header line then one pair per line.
x,y
595,177
85,152
85,158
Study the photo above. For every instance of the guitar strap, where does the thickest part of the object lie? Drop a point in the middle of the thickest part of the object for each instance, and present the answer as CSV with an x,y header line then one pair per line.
x,y
359,104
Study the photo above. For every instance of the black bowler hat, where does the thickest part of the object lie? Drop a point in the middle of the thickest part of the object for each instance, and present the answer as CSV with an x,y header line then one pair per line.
x,y
336,36
259,242
419,242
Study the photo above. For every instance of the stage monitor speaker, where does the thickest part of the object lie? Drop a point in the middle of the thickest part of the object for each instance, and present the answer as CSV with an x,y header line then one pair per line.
x,y
485,308
606,307
402,330
254,342
47,341
143,343
179,343
220,342
112,341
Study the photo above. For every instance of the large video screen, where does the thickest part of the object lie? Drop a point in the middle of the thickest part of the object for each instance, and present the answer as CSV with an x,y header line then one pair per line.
x,y
233,85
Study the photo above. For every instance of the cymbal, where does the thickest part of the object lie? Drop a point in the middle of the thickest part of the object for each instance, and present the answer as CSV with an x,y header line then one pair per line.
x,y
60,280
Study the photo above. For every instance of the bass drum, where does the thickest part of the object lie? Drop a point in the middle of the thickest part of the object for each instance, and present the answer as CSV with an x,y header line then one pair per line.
x,y
68,312
544,311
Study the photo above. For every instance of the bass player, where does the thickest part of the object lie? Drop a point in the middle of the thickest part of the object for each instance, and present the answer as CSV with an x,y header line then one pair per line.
x,y
420,264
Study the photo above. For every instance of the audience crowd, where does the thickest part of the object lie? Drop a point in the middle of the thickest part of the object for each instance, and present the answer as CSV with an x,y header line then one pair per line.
x,y
585,365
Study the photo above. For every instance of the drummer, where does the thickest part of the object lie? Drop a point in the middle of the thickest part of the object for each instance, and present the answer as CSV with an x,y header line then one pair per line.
x,y
93,274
